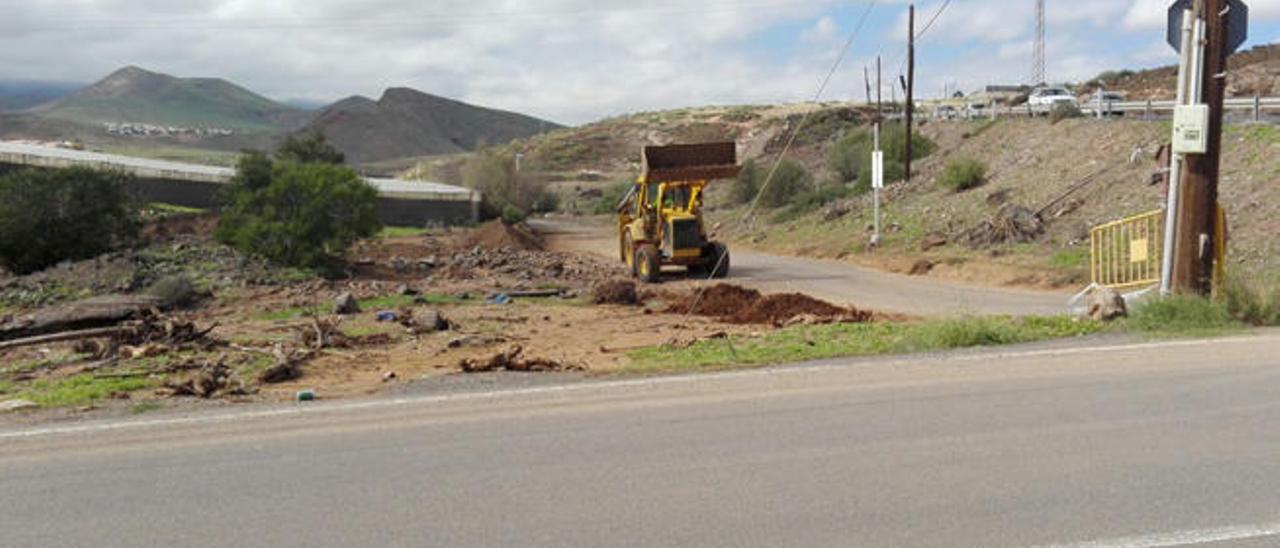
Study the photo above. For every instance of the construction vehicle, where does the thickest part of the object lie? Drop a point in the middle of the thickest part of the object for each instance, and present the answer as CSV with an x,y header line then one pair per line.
x,y
660,219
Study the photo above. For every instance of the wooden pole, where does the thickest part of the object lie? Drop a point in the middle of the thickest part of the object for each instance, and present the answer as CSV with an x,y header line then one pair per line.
x,y
911,84
1194,251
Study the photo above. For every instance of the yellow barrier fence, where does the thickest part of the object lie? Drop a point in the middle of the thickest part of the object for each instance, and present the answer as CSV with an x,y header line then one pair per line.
x,y
1126,254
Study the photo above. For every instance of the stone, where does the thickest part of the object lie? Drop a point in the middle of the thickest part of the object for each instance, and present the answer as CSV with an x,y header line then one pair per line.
x,y
1105,305
10,406
406,290
933,241
922,267
346,304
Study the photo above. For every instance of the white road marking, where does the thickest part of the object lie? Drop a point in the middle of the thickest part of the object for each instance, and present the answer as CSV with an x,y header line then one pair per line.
x,y
1182,538
215,418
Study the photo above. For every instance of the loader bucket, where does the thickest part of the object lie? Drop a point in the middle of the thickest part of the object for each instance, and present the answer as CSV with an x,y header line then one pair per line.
x,y
700,162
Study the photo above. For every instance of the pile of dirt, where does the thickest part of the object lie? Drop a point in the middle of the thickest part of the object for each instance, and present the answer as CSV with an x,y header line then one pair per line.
x,y
739,305
621,292
499,235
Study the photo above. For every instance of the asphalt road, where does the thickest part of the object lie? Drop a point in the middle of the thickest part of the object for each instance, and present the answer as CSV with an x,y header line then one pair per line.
x,y
840,282
1157,444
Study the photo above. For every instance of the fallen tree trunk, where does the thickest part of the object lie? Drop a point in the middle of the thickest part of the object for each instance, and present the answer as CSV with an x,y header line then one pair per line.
x,y
87,314
63,337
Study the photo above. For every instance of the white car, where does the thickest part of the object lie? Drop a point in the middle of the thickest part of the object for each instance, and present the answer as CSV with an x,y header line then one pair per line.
x,y
1044,99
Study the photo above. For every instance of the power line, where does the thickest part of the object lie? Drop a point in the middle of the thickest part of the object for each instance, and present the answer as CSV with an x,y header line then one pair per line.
x,y
476,19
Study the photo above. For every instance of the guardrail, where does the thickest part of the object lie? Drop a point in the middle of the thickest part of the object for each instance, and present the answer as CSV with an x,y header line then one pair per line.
x,y
1257,106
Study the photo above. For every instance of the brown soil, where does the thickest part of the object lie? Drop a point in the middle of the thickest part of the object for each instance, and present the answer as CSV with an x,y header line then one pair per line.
x,y
739,305
497,235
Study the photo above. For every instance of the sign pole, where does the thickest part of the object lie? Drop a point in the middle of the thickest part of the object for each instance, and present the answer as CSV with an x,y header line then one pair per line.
x,y
1186,73
877,182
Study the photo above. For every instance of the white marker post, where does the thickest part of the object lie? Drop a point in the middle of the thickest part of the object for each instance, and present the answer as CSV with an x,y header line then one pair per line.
x,y
877,183
1189,72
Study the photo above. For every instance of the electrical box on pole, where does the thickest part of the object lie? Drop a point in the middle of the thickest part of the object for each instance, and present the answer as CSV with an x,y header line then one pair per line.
x,y
1191,129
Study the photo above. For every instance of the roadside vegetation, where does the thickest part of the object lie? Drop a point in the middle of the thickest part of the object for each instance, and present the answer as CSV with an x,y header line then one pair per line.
x,y
507,192
48,216
963,174
300,208
803,343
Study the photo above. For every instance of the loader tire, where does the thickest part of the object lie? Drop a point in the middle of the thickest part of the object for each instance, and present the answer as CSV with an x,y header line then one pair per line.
x,y
718,263
648,264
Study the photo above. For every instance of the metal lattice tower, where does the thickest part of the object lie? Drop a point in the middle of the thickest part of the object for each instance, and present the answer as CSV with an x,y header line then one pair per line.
x,y
1038,76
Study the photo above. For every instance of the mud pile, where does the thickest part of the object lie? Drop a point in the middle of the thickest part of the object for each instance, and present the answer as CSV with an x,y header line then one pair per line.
x,y
739,305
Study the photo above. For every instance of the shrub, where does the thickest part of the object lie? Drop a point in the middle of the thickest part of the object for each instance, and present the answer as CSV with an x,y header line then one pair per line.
x,y
512,215
790,179
747,185
813,200
310,149
304,215
1063,111
174,292
850,157
608,202
1253,302
55,215
1178,314
494,174
963,174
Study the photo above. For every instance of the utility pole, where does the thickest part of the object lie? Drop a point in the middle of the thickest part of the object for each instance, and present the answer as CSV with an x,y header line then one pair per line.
x,y
866,77
911,83
1194,253
879,88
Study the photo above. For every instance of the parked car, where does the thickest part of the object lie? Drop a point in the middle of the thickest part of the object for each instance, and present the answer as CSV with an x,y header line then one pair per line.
x,y
1046,98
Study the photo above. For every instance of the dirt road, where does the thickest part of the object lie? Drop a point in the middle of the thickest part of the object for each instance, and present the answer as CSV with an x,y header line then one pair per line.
x,y
834,281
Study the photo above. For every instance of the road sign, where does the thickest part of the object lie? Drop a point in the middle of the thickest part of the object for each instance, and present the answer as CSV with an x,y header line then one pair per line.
x,y
1237,24
877,169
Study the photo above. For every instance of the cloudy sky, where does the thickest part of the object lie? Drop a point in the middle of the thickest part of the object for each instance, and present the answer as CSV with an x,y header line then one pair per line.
x,y
574,61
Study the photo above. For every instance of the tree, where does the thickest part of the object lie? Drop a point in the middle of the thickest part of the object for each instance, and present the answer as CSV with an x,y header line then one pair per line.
x,y
310,149
790,179
505,190
304,216
52,215
747,184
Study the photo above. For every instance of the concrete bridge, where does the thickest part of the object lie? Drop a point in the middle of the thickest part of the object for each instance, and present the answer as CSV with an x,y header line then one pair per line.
x,y
400,203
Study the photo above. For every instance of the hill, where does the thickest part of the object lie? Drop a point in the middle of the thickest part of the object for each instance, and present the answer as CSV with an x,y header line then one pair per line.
x,y
18,95
1251,72
136,96
408,123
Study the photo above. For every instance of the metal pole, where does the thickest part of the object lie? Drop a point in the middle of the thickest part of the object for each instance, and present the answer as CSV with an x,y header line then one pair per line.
x,y
1186,72
879,88
1257,108
875,237
911,83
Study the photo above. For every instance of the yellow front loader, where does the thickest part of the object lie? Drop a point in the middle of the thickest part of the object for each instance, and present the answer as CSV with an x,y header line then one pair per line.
x,y
660,220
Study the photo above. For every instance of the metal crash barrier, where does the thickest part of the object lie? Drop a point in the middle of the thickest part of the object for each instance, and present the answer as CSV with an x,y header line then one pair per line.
x,y
1126,254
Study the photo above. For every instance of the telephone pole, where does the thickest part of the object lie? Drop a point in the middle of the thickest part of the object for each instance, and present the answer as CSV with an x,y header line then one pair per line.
x,y
1196,225
879,88
866,77
911,83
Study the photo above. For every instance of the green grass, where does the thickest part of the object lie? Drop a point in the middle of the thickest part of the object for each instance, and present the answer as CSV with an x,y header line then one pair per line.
x,y
848,340
80,390
1181,316
171,209
7,387
1070,258
402,232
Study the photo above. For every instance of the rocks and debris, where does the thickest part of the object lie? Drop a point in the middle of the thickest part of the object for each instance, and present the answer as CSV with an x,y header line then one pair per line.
x,y
1012,224
922,267
212,379
424,323
513,359
11,406
621,292
346,304
999,197
933,241
407,291
389,376
1105,305
102,311
738,305
476,341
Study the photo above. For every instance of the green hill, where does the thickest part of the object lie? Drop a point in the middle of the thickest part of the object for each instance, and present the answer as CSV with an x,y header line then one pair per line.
x,y
137,96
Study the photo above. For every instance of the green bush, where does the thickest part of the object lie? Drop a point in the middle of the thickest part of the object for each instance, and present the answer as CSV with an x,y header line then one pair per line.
x,y
850,157
512,215
1253,302
310,149
613,194
813,200
296,214
1180,314
963,174
52,215
747,184
174,292
790,179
